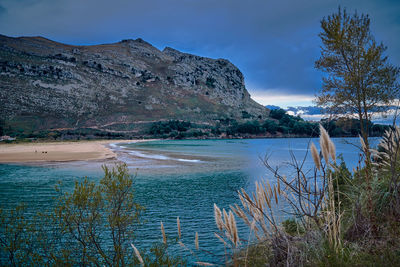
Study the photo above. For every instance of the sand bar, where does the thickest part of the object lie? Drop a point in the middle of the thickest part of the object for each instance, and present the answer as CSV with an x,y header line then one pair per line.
x,y
58,151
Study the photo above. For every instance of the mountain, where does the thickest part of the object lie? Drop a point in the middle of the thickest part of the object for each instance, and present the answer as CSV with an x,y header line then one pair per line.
x,y
272,107
46,84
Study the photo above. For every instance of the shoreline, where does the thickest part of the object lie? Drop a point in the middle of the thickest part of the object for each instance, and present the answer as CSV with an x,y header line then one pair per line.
x,y
78,150
43,152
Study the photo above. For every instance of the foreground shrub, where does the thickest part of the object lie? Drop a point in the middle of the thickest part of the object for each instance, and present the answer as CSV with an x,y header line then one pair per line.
x,y
94,225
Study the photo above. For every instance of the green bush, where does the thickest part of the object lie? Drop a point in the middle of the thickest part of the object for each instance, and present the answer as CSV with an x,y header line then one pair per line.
x,y
93,225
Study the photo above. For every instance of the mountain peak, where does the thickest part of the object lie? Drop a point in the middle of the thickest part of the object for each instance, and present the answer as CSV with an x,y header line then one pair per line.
x,y
62,85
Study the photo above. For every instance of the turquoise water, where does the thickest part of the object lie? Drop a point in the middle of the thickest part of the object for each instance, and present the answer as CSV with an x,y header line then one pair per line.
x,y
173,178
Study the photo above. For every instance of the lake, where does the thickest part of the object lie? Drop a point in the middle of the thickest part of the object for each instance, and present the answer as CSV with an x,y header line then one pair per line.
x,y
173,178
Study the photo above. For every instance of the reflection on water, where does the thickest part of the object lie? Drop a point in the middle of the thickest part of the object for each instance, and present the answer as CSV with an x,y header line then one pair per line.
x,y
173,178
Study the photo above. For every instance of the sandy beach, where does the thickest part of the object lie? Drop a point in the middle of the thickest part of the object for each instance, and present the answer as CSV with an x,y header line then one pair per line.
x,y
58,151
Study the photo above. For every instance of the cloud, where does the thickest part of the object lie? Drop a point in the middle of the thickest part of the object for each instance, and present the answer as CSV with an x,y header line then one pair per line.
x,y
2,10
274,43
278,97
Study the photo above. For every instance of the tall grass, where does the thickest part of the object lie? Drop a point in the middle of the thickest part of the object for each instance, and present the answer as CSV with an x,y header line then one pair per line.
x,y
331,221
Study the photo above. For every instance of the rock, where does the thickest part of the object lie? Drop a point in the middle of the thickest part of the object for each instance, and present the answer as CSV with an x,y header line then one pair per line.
x,y
65,85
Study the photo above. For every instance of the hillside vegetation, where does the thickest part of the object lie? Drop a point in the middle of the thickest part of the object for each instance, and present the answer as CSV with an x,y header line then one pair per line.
x,y
277,124
48,85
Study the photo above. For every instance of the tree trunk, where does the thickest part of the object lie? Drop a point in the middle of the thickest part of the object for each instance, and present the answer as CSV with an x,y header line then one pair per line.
x,y
363,117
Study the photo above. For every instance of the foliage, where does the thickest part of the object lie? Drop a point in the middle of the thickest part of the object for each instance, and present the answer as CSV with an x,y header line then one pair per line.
x,y
2,126
360,79
159,256
13,234
292,227
343,185
284,123
277,113
387,173
270,126
93,225
160,128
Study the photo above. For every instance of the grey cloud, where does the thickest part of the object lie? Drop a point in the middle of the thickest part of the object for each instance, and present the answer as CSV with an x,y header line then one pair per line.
x,y
2,10
274,43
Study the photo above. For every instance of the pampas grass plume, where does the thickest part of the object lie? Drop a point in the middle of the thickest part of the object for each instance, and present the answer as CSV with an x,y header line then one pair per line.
x,y
178,223
364,147
138,255
315,156
163,233
218,217
332,150
196,241
324,143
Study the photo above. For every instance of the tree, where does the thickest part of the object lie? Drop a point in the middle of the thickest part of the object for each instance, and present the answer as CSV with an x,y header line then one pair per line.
x,y
360,80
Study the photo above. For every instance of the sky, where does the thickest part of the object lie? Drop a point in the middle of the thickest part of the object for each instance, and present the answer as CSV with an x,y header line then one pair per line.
x,y
274,43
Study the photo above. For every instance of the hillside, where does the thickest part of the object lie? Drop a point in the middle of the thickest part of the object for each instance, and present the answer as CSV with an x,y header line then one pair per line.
x,y
47,85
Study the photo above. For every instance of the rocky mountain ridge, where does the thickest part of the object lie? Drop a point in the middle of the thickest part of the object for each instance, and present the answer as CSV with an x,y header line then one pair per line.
x,y
50,85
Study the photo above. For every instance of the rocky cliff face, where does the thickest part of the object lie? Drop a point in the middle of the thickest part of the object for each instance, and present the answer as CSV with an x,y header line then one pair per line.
x,y
62,85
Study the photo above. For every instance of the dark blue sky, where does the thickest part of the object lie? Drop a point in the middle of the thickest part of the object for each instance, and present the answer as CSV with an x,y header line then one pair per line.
x,y
274,43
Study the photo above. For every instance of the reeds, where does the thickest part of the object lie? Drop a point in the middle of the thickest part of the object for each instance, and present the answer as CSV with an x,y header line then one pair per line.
x,y
332,217
226,223
179,241
387,169
310,197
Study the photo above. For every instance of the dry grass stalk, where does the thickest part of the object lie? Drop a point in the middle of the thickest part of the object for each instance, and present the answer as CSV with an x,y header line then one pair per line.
x,y
221,239
163,233
324,142
234,233
218,217
305,194
331,216
181,244
200,263
178,224
363,146
332,150
240,213
315,156
310,195
138,255
196,241
258,208
226,220
227,225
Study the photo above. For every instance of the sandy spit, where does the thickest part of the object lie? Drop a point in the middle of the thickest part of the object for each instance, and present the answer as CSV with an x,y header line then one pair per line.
x,y
59,151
